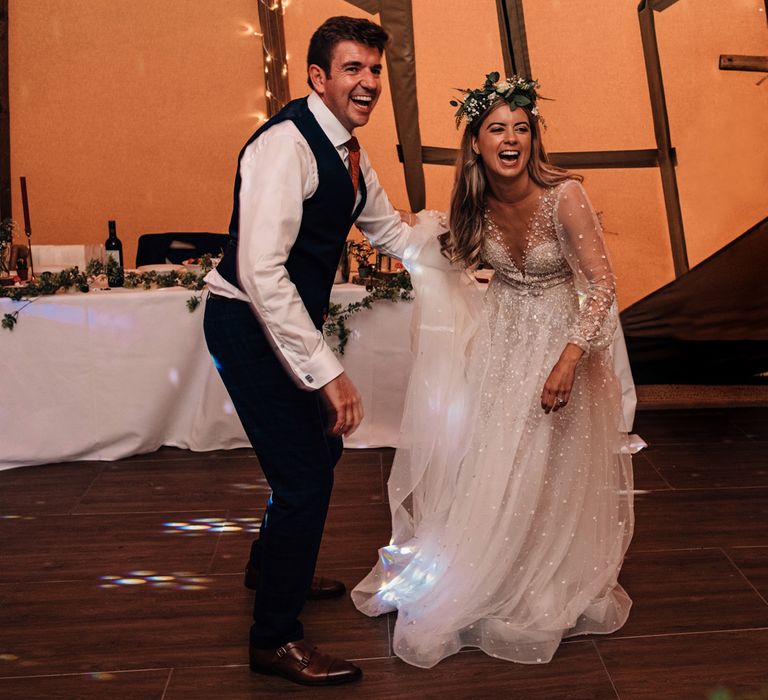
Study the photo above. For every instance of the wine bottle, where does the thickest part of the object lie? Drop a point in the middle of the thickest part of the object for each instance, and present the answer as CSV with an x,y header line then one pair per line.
x,y
114,250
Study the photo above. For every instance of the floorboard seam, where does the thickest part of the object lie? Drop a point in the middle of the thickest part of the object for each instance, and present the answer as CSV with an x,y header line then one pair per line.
x,y
212,560
702,443
87,673
130,460
605,668
689,489
167,683
673,549
743,575
147,512
85,493
650,461
684,634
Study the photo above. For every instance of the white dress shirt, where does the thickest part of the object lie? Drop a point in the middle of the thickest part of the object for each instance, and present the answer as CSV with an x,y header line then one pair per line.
x,y
278,172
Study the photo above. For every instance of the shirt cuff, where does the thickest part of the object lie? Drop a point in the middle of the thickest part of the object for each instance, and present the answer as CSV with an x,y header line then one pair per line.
x,y
320,370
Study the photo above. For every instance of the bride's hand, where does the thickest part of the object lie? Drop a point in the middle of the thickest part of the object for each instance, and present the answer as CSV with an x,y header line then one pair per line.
x,y
557,388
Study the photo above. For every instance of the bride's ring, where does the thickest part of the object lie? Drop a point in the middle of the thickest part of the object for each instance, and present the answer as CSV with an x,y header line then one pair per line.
x,y
561,401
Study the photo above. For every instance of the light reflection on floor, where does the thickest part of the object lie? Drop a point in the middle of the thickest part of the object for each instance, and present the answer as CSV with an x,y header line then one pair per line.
x,y
198,526
178,580
263,486
17,517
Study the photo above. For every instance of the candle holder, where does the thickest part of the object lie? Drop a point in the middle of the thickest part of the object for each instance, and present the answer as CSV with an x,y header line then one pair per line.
x,y
27,224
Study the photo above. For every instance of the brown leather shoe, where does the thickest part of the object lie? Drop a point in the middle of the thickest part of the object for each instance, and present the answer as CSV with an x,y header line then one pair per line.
x,y
320,589
302,663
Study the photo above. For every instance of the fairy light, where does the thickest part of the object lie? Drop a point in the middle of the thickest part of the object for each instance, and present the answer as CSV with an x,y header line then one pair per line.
x,y
277,79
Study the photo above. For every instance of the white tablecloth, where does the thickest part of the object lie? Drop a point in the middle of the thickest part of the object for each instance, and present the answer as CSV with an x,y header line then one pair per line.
x,y
110,374
114,373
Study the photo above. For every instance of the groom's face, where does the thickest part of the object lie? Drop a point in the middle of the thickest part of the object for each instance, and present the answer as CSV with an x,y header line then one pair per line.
x,y
353,85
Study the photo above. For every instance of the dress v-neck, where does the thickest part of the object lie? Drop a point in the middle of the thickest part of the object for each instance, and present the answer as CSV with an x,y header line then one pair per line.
x,y
501,238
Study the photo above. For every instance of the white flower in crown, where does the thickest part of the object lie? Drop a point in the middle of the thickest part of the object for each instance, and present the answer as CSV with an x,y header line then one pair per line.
x,y
515,91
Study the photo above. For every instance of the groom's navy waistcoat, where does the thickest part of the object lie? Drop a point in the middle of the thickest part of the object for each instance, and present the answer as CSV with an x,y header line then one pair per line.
x,y
325,222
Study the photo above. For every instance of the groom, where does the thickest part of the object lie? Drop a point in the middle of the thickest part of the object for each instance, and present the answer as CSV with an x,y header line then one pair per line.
x,y
302,181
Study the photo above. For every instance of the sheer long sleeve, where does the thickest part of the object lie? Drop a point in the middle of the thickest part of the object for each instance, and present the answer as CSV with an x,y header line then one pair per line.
x,y
582,240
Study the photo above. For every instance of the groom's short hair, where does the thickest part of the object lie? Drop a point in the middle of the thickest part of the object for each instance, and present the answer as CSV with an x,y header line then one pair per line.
x,y
337,29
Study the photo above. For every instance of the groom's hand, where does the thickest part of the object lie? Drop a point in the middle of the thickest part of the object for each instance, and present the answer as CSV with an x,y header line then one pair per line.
x,y
408,217
344,405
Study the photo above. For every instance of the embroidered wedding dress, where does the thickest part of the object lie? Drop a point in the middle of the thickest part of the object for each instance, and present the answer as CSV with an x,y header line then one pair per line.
x,y
509,525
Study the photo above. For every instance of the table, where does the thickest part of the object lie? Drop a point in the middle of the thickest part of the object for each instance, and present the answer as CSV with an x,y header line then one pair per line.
x,y
109,374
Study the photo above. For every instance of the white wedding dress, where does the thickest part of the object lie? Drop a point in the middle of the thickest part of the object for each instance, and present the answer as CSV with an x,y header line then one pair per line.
x,y
509,525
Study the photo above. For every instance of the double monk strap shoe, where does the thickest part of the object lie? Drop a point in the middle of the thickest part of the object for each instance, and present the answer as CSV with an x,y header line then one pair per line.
x,y
302,663
320,589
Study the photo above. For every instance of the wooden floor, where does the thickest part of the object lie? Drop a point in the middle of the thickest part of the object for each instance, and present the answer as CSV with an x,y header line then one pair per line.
x,y
123,579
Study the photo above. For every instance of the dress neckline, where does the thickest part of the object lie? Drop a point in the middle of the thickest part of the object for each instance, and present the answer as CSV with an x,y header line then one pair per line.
x,y
501,239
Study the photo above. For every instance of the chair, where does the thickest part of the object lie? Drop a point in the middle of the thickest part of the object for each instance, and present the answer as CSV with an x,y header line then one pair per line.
x,y
158,248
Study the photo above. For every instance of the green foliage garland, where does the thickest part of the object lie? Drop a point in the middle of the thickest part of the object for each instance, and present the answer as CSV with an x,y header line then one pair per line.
x,y
397,287
394,288
49,283
7,227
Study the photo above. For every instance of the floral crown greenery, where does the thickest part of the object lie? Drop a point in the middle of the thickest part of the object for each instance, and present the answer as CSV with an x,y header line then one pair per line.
x,y
515,91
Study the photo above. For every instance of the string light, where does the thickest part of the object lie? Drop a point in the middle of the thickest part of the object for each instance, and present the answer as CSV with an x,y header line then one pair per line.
x,y
250,30
281,87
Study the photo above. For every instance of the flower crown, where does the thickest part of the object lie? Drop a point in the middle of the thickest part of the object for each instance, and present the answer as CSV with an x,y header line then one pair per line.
x,y
515,91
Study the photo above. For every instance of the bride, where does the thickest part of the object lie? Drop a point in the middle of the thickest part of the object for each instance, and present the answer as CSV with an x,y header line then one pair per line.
x,y
511,489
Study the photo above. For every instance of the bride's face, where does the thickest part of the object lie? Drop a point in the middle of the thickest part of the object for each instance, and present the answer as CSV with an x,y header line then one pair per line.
x,y
504,142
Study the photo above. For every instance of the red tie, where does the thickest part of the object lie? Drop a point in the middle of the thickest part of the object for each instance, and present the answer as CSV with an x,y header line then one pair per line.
x,y
353,146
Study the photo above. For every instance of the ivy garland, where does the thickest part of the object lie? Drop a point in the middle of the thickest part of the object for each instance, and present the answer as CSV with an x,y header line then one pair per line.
x,y
393,288
49,283
396,287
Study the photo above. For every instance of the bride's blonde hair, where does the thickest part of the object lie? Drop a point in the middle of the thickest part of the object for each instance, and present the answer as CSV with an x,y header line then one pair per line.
x,y
463,242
